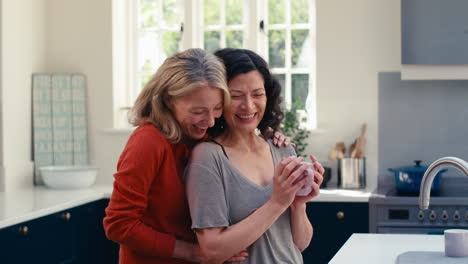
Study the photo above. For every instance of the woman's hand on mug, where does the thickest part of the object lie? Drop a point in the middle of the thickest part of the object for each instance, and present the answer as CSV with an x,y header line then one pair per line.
x,y
318,167
319,170
285,180
298,200
318,179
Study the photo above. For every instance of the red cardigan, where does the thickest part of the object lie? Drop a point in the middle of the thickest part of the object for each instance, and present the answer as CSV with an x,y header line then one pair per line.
x,y
148,208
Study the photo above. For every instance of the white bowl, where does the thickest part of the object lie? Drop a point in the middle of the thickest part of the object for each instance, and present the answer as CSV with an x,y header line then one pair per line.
x,y
68,177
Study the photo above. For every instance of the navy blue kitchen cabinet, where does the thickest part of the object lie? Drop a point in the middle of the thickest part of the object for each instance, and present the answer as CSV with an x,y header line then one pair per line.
x,y
70,236
35,240
93,245
334,223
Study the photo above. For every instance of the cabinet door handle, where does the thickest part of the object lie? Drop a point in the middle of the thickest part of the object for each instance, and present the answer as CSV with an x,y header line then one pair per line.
x,y
340,215
66,216
23,230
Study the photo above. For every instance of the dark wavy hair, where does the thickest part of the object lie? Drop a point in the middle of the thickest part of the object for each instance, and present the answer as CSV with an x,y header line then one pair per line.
x,y
239,61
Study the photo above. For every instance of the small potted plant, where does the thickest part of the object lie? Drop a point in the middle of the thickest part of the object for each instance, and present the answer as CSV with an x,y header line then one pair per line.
x,y
292,128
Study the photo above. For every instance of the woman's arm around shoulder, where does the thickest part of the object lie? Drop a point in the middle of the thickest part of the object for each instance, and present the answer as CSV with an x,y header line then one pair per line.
x,y
284,150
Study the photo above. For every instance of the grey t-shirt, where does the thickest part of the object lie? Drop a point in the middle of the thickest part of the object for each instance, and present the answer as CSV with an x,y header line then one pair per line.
x,y
220,196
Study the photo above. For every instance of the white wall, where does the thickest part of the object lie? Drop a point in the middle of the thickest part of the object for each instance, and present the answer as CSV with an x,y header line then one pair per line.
x,y
79,39
39,34
355,40
22,44
2,172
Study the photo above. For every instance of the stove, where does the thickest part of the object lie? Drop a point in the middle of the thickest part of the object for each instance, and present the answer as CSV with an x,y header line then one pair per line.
x,y
392,212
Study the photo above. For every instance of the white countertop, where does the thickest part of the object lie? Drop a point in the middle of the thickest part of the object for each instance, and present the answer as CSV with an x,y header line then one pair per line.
x,y
343,195
385,248
20,206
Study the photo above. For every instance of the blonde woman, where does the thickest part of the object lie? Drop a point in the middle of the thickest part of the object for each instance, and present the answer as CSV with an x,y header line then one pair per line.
x,y
148,213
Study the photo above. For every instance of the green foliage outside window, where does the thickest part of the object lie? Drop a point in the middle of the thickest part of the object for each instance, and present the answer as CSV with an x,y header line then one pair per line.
x,y
277,38
276,11
212,12
149,13
171,42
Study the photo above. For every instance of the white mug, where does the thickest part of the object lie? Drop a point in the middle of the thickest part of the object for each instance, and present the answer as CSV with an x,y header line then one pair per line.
x,y
456,242
309,174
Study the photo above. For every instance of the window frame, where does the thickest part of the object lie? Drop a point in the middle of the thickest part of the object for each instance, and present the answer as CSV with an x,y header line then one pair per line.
x,y
310,111
125,48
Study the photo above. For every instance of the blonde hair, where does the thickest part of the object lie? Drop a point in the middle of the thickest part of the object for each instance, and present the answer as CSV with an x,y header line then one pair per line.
x,y
177,77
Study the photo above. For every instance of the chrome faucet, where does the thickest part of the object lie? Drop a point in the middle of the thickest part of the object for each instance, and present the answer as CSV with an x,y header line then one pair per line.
x,y
431,172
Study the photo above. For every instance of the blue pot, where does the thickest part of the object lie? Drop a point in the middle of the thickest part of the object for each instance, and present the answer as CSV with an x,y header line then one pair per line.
x,y
408,179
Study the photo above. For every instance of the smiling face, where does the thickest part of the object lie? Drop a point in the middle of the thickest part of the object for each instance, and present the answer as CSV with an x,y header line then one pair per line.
x,y
197,111
248,102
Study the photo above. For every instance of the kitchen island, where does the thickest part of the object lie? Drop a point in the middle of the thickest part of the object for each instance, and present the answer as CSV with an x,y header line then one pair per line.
x,y
385,248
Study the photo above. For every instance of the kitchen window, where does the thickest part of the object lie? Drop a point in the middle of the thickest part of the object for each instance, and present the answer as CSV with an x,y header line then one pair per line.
x,y
145,32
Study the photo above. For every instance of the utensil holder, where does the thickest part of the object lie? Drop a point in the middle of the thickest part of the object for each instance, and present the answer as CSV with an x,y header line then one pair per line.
x,y
351,173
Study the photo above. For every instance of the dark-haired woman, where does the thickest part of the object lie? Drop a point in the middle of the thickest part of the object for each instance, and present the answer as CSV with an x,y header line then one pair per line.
x,y
241,188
